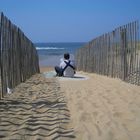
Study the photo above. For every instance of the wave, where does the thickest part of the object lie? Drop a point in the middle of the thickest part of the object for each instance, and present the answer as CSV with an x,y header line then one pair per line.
x,y
49,48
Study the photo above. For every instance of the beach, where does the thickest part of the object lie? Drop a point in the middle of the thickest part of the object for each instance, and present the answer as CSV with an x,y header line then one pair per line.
x,y
70,70
35,110
103,108
86,107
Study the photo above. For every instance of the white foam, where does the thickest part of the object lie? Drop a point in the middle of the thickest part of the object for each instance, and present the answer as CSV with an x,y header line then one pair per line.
x,y
49,48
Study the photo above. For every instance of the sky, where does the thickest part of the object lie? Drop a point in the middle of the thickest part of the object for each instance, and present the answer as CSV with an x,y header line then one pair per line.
x,y
69,20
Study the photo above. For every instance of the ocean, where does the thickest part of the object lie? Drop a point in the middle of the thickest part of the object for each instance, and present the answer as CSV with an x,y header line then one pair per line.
x,y
51,53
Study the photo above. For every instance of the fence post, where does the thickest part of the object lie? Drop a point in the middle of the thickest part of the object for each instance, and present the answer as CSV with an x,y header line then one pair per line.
x,y
124,53
0,59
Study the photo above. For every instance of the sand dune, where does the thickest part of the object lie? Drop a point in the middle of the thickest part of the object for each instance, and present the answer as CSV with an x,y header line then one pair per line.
x,y
103,108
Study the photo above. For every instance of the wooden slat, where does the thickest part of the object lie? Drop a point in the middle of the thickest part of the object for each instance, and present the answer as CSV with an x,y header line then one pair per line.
x,y
114,54
18,56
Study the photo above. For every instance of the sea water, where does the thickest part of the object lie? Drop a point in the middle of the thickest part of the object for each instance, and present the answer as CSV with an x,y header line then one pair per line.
x,y
50,54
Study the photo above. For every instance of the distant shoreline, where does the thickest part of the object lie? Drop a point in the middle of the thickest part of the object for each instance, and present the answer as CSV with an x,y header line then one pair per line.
x,y
51,53
51,60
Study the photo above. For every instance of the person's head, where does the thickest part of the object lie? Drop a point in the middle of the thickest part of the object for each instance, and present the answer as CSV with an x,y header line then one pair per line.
x,y
66,56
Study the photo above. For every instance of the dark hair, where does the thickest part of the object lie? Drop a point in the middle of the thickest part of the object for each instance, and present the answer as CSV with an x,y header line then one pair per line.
x,y
66,56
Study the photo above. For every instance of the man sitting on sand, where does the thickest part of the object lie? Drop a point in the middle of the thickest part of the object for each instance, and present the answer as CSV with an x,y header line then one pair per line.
x,y
66,68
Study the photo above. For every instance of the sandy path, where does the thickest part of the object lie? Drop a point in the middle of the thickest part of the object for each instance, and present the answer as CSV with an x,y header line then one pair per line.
x,y
103,108
36,110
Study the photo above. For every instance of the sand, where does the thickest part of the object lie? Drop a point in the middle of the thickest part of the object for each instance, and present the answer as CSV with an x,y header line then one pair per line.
x,y
91,108
36,110
103,108
46,69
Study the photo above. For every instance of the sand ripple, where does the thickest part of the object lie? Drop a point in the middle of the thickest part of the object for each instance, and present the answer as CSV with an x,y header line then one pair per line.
x,y
36,110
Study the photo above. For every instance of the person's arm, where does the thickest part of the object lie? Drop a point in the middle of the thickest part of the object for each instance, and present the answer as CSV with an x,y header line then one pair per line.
x,y
73,64
61,65
74,68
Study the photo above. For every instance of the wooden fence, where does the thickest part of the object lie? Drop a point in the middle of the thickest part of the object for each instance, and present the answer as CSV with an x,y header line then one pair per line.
x,y
18,56
115,54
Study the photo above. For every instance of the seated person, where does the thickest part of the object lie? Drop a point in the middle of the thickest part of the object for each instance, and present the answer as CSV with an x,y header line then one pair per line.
x,y
66,68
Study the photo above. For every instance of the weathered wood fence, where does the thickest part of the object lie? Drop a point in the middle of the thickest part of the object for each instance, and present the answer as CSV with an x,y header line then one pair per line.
x,y
115,54
18,56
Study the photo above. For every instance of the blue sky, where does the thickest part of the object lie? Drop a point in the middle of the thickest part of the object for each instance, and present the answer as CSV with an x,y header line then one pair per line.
x,y
69,20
